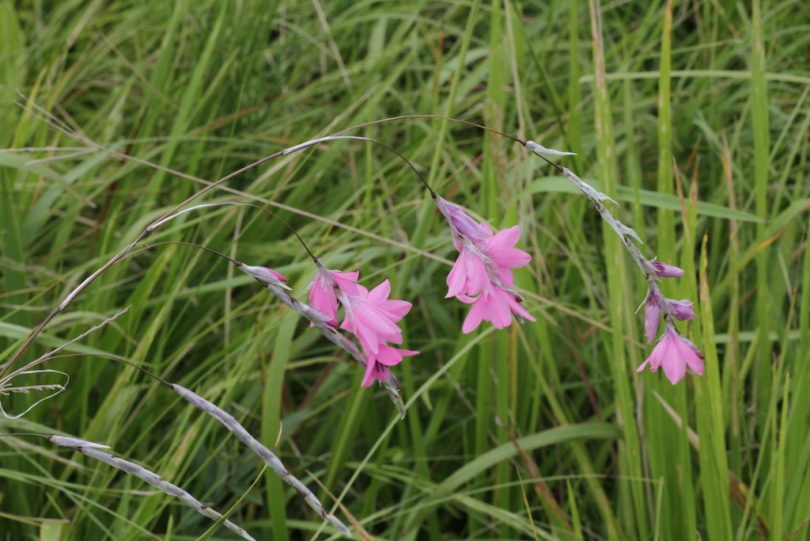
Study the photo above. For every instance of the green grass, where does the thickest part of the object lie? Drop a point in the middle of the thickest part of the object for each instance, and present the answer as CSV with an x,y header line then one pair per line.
x,y
693,116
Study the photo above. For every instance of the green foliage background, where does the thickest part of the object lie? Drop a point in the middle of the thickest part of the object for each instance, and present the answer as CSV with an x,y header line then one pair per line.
x,y
665,104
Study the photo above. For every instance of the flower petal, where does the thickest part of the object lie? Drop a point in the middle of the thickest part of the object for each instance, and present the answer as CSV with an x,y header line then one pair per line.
x,y
519,310
456,279
506,238
475,316
390,356
476,274
380,293
689,355
396,309
374,372
346,281
674,368
511,258
499,312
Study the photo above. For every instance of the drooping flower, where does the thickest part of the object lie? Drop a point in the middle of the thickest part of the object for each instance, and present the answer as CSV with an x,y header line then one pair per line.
x,y
322,294
379,363
372,317
657,304
674,353
482,274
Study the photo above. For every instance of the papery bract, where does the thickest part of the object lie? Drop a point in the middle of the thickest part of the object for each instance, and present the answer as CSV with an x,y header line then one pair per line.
x,y
674,353
540,150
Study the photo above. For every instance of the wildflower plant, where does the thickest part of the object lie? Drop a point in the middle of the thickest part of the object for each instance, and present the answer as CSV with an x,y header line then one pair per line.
x,y
341,308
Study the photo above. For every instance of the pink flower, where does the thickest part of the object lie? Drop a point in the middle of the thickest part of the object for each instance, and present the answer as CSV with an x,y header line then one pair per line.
x,y
372,318
322,294
496,305
667,271
682,310
674,353
652,314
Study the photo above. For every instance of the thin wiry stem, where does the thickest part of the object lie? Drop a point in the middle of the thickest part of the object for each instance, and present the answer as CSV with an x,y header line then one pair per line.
x,y
51,353
438,117
242,204
148,247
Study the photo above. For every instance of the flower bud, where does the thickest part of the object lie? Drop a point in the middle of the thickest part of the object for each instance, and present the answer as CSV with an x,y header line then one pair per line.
x,y
682,310
666,271
265,275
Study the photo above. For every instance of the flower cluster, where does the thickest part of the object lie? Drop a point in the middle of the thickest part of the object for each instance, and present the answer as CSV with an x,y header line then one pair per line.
x,y
673,352
482,274
658,304
369,315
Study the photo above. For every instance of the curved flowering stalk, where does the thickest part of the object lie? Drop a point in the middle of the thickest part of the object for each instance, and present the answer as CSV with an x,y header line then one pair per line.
x,y
264,453
673,352
234,426
482,274
95,451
